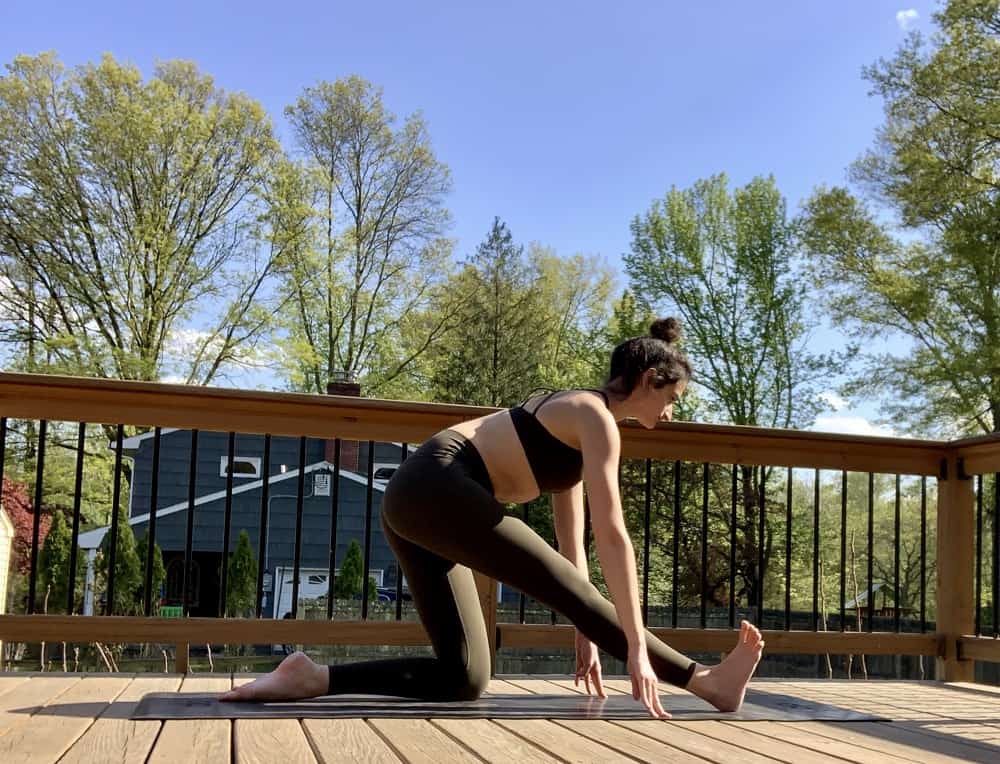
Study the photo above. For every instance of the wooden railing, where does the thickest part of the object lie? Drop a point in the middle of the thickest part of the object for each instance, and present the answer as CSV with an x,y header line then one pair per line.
x,y
953,644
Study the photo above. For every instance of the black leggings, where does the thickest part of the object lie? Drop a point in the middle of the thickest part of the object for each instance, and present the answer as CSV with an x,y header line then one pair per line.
x,y
441,520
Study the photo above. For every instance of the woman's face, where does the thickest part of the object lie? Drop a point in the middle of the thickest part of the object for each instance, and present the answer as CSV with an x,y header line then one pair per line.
x,y
658,403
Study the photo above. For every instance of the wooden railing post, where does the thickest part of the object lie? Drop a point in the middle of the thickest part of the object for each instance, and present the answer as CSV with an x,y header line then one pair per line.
x,y
955,553
181,658
487,588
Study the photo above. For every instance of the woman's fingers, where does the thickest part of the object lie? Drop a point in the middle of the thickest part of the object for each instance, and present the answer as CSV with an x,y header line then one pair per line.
x,y
599,681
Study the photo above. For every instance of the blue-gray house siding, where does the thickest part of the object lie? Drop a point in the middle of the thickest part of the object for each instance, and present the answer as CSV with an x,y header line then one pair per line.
x,y
172,496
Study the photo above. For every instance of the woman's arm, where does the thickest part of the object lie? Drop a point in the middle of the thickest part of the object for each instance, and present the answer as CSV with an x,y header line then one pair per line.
x,y
567,517
601,446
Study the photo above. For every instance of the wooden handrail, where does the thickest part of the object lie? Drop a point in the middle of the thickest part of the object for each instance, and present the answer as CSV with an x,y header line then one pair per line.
x,y
33,396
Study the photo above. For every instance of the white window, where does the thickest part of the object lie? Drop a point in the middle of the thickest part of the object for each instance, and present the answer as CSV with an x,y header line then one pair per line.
x,y
321,484
243,466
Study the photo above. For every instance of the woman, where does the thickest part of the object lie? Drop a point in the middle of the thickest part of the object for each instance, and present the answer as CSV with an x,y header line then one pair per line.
x,y
443,516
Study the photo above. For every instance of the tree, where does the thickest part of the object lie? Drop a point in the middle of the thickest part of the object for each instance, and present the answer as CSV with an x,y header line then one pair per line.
x,y
376,253
348,581
727,264
493,357
21,511
934,282
242,578
128,571
53,566
124,205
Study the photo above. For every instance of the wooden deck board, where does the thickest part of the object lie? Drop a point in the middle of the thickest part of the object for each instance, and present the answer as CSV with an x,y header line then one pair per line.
x,y
113,737
188,740
56,726
420,742
16,708
354,740
83,719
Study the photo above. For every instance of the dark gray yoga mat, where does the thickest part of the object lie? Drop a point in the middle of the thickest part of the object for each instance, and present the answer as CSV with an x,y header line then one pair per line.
x,y
757,706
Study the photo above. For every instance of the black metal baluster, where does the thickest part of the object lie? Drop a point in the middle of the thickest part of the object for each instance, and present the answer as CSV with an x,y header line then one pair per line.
x,y
262,539
521,599
843,549
788,553
334,516
645,542
81,440
299,506
677,539
815,621
368,530
115,503
189,540
871,555
151,533
227,525
732,555
760,543
923,554
995,578
704,546
3,447
399,571
979,555
897,624
36,525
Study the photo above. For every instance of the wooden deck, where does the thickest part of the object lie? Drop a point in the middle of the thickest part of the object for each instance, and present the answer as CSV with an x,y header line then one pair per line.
x,y
73,718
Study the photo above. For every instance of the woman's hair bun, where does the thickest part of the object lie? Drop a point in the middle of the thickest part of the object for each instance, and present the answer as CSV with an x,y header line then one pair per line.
x,y
666,329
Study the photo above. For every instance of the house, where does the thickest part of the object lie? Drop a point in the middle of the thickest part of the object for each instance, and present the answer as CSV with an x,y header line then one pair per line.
x,y
249,474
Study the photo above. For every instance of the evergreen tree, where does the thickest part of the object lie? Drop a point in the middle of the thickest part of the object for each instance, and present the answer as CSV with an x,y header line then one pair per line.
x,y
242,578
493,357
54,566
348,581
128,570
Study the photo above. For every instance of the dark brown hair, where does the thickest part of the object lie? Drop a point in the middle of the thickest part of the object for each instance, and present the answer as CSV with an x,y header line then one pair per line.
x,y
657,350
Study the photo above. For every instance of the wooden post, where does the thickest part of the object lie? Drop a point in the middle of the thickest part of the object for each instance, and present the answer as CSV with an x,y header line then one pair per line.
x,y
181,658
487,588
955,554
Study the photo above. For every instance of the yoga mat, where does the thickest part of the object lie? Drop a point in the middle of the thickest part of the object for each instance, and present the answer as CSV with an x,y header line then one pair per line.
x,y
757,706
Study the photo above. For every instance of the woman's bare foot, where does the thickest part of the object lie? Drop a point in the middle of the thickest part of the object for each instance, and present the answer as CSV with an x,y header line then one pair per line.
x,y
297,677
725,684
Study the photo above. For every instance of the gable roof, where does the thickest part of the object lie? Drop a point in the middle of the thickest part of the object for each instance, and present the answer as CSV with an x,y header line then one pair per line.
x,y
93,538
135,441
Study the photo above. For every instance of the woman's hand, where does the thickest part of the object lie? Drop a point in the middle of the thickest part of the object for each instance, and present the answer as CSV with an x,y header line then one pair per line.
x,y
644,682
588,665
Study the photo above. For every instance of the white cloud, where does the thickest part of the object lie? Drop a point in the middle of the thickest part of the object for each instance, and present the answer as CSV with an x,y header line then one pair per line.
x,y
850,425
833,400
906,19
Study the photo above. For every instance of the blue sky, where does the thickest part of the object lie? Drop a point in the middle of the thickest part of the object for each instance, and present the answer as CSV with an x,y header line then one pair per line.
x,y
566,119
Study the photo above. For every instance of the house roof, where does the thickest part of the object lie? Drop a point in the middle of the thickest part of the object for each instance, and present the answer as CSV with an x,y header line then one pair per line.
x,y
135,441
93,538
862,598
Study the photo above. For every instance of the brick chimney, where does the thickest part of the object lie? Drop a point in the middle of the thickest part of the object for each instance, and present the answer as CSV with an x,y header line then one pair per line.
x,y
342,384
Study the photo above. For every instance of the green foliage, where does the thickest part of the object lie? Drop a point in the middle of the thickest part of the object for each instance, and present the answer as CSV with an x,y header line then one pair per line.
x,y
54,560
348,581
136,200
935,284
128,569
726,263
242,578
370,197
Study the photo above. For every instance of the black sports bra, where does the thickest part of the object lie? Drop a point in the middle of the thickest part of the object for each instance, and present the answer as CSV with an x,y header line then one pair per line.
x,y
555,465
